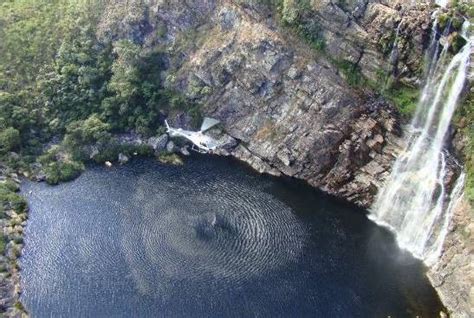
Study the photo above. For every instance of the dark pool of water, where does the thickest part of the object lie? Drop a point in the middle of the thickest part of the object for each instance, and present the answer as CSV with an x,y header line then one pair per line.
x,y
209,239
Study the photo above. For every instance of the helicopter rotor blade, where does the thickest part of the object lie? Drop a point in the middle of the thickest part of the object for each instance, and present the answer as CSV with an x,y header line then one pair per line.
x,y
208,123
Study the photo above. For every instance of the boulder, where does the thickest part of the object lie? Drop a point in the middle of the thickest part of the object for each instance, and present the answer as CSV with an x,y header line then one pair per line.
x,y
122,158
170,146
184,150
158,143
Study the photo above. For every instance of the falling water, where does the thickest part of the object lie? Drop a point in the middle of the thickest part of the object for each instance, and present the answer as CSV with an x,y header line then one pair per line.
x,y
442,3
415,203
394,53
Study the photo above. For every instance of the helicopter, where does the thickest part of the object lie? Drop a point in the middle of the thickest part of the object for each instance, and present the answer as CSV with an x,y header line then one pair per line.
x,y
202,142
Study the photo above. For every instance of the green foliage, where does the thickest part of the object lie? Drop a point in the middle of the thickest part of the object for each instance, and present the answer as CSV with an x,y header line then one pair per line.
x,y
404,97
10,199
76,87
31,34
35,73
112,150
10,185
351,72
58,80
135,92
19,306
298,15
86,132
63,171
3,245
9,139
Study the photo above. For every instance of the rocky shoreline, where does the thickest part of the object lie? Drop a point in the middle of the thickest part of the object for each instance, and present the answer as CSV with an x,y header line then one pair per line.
x,y
168,151
12,222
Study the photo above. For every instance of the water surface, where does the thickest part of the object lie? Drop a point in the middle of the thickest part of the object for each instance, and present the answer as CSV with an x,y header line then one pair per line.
x,y
209,239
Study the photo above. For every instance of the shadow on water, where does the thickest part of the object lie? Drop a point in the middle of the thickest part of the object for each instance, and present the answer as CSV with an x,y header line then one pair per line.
x,y
211,238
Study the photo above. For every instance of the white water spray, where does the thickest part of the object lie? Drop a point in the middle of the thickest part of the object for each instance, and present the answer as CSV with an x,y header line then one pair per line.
x,y
442,3
414,202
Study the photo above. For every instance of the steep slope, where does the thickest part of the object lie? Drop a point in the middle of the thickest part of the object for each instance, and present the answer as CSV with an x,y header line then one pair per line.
x,y
289,106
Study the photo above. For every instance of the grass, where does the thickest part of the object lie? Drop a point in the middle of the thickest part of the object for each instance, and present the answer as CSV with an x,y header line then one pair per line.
x,y
404,97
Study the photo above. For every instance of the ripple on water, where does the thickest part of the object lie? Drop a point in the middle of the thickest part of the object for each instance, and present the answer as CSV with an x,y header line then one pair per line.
x,y
206,239
228,232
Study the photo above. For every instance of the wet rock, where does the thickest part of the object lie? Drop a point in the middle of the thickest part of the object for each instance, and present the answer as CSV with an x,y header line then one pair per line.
x,y
170,146
453,274
122,158
184,151
132,139
158,143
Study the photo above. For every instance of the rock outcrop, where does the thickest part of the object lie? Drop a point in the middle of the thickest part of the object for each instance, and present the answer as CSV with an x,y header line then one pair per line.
x,y
453,275
381,37
290,107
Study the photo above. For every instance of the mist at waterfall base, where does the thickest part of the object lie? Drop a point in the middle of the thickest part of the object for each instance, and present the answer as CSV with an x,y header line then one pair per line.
x,y
415,202
209,239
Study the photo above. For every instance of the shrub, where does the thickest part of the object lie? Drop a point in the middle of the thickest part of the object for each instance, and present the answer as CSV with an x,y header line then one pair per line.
x,y
63,171
351,72
9,139
3,244
405,98
10,199
112,150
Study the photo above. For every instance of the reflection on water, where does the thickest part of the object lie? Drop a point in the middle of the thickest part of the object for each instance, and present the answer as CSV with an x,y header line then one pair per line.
x,y
210,238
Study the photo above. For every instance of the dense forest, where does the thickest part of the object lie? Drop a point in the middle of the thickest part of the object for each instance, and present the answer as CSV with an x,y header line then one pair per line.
x,y
57,82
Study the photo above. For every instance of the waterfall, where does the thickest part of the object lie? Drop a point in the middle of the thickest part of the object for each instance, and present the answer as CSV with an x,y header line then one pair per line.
x,y
414,202
442,3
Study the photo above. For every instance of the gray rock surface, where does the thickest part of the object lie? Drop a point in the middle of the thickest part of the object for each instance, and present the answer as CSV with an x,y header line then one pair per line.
x,y
158,143
170,146
122,158
453,275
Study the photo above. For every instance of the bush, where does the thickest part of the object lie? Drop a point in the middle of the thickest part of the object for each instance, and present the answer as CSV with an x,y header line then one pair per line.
x,y
111,152
405,98
351,72
10,199
84,132
63,171
11,185
9,139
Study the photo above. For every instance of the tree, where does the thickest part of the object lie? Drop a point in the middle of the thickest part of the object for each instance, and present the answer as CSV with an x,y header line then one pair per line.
x,y
77,86
86,132
9,139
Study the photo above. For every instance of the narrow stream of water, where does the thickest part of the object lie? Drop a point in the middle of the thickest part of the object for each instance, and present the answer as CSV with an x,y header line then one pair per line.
x,y
209,239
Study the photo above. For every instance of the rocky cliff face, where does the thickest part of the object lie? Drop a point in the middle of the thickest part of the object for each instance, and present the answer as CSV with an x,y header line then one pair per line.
x,y
381,37
453,275
290,107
